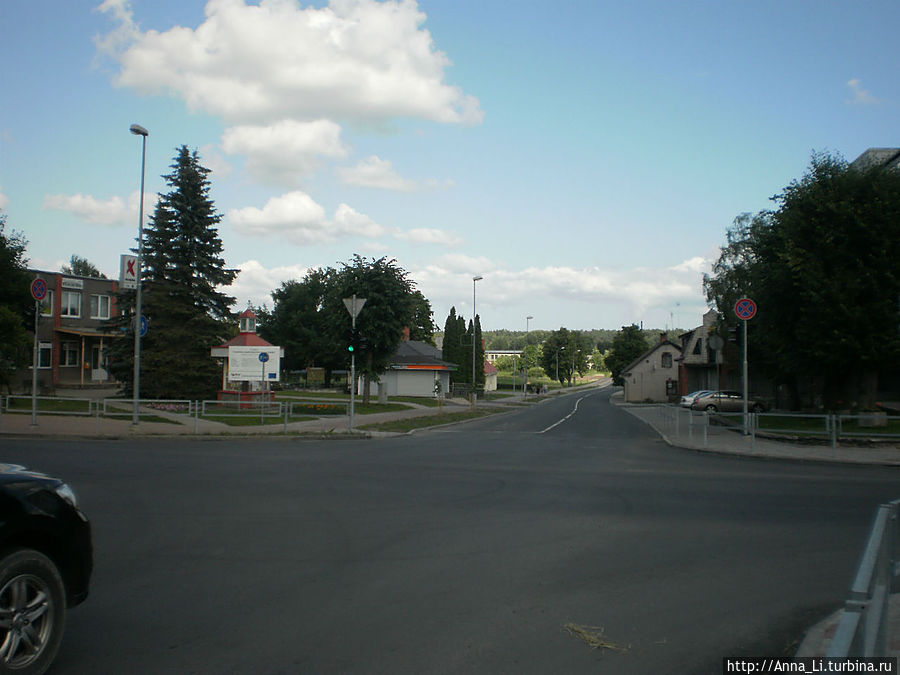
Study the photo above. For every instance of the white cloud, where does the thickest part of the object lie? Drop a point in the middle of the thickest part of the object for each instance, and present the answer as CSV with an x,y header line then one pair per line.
x,y
378,173
287,150
4,200
295,216
353,59
301,220
255,283
578,298
859,95
111,212
634,291
213,161
350,222
429,236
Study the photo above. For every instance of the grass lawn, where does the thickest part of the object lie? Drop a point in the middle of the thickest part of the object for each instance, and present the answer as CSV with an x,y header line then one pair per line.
x,y
251,420
23,404
402,426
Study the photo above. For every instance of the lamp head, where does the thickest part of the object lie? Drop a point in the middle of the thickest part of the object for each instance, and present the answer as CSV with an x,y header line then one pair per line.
x,y
138,130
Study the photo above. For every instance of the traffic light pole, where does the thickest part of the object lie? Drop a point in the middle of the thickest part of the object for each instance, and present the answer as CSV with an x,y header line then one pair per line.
x,y
352,375
353,305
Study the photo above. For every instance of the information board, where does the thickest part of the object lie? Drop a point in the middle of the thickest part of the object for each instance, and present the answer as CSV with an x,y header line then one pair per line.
x,y
244,364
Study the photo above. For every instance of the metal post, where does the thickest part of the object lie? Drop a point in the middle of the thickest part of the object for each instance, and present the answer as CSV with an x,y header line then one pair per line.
x,y
353,369
746,384
34,365
474,316
140,131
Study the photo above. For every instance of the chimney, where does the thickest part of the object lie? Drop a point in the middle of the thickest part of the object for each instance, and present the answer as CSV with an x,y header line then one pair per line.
x,y
663,337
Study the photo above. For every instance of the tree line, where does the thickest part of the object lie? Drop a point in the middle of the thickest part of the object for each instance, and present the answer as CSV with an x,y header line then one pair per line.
x,y
823,270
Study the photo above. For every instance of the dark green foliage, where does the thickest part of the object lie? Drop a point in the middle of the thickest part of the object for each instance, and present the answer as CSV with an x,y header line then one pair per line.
x,y
567,352
82,267
823,270
457,348
627,345
16,303
297,323
15,280
182,269
310,321
392,305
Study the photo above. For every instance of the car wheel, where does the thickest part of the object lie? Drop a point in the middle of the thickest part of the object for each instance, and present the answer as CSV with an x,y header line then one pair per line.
x,y
32,612
711,408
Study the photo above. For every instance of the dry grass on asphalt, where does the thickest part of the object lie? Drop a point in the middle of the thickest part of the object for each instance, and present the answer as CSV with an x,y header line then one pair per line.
x,y
593,636
404,425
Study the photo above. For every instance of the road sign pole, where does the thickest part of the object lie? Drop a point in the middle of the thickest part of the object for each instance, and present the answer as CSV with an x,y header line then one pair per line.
x,y
746,387
34,365
354,305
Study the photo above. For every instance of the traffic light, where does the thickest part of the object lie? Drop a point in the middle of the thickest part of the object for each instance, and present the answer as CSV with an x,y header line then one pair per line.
x,y
353,340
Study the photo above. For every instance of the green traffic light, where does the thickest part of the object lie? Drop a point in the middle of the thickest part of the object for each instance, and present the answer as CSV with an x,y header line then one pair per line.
x,y
350,348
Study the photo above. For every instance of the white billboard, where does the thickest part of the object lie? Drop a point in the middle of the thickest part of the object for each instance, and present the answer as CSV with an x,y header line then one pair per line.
x,y
253,364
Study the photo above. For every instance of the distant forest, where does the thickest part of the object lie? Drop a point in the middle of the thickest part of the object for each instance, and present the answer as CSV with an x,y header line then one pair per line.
x,y
600,338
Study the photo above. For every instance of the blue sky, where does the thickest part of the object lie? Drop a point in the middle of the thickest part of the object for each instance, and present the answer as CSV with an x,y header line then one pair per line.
x,y
585,158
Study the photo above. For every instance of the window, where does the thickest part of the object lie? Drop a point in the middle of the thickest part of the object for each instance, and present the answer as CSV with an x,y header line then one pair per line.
x,y
71,304
45,355
99,306
667,360
698,348
69,354
47,304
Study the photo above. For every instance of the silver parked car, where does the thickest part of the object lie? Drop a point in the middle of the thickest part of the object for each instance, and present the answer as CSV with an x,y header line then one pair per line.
x,y
726,401
688,400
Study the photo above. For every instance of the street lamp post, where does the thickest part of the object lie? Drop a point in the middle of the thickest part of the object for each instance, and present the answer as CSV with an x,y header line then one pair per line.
x,y
525,357
138,130
474,315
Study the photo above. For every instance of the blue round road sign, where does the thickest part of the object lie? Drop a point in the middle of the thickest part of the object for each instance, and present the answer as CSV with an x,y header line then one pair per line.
x,y
263,357
745,309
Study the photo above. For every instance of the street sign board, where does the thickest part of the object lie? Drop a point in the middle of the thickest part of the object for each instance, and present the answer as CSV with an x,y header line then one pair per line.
x,y
263,357
745,309
145,325
128,271
244,363
38,289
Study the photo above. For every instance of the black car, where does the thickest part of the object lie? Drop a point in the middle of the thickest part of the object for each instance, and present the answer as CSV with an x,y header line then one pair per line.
x,y
46,559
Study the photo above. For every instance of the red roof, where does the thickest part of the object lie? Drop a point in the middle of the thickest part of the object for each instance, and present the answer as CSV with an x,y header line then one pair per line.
x,y
247,313
247,340
490,368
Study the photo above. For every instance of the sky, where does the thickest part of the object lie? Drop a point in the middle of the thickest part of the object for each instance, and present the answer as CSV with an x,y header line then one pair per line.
x,y
585,158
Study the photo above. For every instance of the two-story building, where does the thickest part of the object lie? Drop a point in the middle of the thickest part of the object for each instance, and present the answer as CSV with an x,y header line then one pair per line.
x,y
74,332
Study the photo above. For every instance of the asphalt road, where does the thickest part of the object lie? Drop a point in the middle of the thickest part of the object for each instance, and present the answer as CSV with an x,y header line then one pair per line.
x,y
461,550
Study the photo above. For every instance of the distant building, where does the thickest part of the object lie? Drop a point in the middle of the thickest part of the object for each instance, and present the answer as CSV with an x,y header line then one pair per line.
x,y
416,369
247,337
654,375
493,354
74,333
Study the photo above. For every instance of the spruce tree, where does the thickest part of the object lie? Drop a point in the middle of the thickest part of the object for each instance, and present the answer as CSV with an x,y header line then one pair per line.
x,y
181,272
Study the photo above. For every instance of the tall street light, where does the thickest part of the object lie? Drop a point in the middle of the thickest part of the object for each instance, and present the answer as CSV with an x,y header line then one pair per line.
x,y
138,130
525,357
474,315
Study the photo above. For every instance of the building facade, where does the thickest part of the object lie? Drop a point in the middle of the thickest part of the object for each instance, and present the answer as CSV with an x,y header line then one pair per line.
x,y
75,331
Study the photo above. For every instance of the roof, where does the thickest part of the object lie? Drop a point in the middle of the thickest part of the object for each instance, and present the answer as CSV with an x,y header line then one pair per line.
x,y
490,368
247,340
637,361
877,157
416,355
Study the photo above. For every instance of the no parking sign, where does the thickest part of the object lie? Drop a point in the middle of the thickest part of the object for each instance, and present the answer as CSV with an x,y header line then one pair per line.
x,y
745,309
